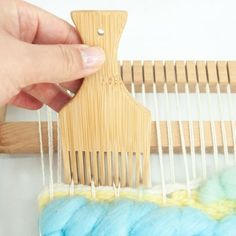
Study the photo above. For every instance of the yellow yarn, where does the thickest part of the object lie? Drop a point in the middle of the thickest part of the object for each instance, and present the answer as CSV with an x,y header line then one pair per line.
x,y
179,198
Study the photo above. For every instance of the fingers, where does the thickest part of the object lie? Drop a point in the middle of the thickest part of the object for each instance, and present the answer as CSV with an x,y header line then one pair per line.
x,y
57,58
25,100
72,86
61,63
44,27
49,94
34,96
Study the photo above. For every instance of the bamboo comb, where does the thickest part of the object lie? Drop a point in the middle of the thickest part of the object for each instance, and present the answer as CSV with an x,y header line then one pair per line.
x,y
105,132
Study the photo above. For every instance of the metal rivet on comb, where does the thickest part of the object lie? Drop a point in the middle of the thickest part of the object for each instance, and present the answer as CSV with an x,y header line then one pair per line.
x,y
100,31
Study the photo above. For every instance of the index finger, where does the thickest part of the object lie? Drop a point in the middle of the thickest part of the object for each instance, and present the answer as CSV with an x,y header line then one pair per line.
x,y
49,29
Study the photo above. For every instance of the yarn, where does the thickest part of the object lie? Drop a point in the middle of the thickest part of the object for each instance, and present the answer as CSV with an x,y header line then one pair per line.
x,y
174,221
58,213
219,187
128,216
226,227
216,210
82,221
76,216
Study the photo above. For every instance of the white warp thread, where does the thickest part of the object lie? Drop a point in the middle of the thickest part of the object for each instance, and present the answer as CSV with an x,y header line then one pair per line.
x,y
50,150
233,128
222,124
159,144
170,138
213,128
41,147
59,151
191,133
182,139
201,132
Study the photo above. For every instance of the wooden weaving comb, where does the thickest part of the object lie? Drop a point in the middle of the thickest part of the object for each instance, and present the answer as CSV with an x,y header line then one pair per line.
x,y
105,132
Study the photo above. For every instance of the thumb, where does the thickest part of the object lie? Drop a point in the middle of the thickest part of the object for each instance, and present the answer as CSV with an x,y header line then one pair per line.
x,y
60,63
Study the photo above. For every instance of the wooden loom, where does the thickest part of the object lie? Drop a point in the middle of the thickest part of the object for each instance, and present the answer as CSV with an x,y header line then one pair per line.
x,y
22,137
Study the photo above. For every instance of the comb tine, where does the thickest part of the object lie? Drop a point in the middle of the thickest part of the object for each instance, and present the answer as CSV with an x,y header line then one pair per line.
x,y
101,168
146,170
109,169
123,169
73,165
80,166
87,168
94,167
137,169
116,167
130,167
66,164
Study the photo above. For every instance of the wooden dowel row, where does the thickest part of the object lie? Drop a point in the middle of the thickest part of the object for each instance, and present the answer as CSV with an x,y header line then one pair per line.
x,y
180,72
197,142
22,137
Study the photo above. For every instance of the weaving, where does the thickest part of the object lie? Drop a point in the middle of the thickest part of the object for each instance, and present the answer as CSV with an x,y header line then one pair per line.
x,y
177,177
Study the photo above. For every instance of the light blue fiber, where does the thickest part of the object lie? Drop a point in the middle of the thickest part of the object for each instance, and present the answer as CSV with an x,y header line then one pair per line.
x,y
228,181
76,216
219,187
115,220
194,221
212,191
79,217
140,210
83,222
58,233
226,227
161,222
56,214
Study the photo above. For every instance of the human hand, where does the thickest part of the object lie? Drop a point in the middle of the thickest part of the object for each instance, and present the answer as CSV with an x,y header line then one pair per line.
x,y
41,56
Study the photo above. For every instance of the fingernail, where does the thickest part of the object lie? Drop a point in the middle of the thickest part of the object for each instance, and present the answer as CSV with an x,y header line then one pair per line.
x,y
92,56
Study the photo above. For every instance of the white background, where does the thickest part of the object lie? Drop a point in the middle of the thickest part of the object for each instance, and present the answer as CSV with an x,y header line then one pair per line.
x,y
156,29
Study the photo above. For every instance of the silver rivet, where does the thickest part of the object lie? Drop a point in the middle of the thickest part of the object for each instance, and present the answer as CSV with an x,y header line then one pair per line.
x,y
101,31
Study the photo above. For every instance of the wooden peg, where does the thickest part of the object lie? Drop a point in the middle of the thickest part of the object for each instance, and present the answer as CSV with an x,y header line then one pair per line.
x,y
201,75
159,75
212,75
191,75
232,75
170,76
137,73
180,75
127,74
148,75
222,75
